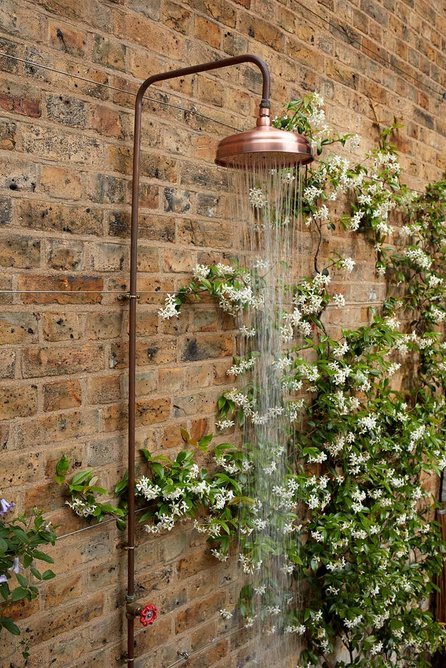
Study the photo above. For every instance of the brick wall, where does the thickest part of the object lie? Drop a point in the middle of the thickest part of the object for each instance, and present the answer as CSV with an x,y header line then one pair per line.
x,y
65,140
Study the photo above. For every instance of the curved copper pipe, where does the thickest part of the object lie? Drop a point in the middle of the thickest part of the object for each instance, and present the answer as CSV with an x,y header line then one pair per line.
x,y
264,104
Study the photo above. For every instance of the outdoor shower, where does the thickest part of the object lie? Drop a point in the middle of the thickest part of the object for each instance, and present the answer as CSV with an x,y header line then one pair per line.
x,y
262,147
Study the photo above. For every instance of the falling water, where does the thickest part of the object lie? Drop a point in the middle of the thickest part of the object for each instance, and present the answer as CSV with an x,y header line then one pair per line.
x,y
268,209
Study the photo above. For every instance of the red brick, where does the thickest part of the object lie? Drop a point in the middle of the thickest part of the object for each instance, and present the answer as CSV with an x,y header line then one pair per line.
x,y
20,100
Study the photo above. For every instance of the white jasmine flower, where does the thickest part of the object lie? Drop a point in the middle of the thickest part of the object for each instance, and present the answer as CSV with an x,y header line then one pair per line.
x,y
249,333
257,198
81,508
224,424
226,614
339,300
170,308
355,220
418,257
348,264
147,489
201,271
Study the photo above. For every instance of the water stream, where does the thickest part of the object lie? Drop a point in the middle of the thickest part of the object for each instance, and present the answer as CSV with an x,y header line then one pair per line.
x,y
268,211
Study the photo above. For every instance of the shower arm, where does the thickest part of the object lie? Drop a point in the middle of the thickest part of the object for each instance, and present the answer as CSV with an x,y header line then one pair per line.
x,y
132,296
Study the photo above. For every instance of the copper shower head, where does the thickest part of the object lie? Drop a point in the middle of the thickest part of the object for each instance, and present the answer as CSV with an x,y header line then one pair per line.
x,y
265,145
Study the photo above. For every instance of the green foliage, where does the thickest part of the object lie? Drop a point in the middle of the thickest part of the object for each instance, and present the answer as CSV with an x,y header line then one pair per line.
x,y
20,542
83,493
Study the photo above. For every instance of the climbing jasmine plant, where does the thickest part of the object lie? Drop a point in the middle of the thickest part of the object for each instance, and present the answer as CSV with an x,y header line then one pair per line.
x,y
364,413
364,433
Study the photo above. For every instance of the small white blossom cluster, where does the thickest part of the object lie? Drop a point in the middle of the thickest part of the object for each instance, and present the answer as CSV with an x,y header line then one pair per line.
x,y
418,257
299,629
201,271
340,373
249,333
257,198
233,300
224,424
348,264
170,308
145,488
242,367
81,508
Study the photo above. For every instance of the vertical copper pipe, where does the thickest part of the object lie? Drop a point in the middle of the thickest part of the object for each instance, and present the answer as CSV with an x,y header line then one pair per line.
x,y
226,62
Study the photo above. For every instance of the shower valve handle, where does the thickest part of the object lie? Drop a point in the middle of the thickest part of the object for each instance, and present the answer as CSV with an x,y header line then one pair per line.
x,y
147,614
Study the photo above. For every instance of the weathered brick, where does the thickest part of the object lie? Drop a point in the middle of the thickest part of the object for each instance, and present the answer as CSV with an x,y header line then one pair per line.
x,y
17,401
63,289
151,411
60,395
151,351
67,110
199,612
20,176
7,363
107,122
205,233
110,53
65,38
57,427
65,255
159,228
104,389
109,189
61,326
108,257
158,167
18,328
7,134
63,589
61,182
62,146
206,346
179,260
23,469
48,625
208,31
20,99
176,17
40,362
61,218
151,9
194,404
19,251
104,325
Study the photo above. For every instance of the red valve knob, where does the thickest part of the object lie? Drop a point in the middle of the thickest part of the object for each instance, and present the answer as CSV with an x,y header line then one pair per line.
x,y
148,614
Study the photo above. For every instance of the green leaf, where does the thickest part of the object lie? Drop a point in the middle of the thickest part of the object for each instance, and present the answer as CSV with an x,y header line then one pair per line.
x,y
82,477
43,557
9,625
19,594
62,467
22,580
205,441
48,575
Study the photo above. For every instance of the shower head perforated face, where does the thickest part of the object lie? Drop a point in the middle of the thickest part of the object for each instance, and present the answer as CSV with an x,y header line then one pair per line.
x,y
264,145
